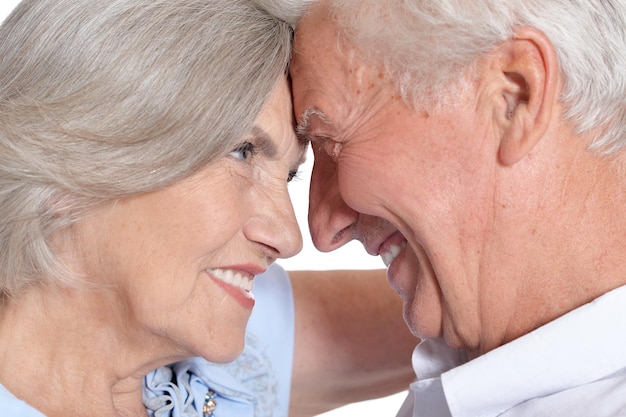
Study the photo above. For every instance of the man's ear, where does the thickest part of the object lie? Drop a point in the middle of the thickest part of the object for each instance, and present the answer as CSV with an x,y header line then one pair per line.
x,y
529,66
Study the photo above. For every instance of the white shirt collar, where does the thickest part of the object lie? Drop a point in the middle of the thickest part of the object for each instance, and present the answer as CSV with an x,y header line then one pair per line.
x,y
580,347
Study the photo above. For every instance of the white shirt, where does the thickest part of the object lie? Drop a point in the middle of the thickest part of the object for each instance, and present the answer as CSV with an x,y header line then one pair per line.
x,y
572,366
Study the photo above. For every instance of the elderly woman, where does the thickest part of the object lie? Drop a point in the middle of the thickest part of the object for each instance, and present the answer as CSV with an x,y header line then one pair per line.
x,y
145,151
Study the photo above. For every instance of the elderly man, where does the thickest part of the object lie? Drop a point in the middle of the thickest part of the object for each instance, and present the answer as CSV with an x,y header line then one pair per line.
x,y
479,149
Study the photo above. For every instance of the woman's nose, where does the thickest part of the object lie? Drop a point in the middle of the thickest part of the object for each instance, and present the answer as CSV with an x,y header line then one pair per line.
x,y
276,228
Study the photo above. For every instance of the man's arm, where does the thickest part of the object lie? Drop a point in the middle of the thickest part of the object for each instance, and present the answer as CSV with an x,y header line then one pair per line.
x,y
351,342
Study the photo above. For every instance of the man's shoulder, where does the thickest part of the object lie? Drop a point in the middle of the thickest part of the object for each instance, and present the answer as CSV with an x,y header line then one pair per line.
x,y
605,397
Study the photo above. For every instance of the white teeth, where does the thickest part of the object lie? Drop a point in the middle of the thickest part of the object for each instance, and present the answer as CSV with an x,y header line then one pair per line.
x,y
391,254
232,278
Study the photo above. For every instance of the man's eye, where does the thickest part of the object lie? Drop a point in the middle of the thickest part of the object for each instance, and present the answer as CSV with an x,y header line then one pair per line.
x,y
332,148
244,151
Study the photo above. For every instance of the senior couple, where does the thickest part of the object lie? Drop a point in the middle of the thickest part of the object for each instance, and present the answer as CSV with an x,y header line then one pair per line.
x,y
478,150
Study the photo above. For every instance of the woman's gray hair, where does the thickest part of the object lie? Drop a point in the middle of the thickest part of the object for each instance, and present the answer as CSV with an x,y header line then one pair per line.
x,y
100,100
428,45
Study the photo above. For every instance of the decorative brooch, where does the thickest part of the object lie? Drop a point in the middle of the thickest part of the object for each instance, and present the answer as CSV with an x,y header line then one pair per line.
x,y
209,404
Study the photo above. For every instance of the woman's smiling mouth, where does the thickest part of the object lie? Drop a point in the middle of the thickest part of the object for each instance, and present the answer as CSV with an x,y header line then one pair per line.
x,y
234,278
236,284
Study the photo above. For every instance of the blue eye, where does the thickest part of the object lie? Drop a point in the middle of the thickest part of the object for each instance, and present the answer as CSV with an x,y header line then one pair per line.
x,y
244,151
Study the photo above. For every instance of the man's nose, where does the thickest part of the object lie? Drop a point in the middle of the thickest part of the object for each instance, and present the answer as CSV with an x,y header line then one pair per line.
x,y
331,220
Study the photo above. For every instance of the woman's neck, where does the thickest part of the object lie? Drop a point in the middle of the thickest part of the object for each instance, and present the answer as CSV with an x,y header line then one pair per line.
x,y
67,352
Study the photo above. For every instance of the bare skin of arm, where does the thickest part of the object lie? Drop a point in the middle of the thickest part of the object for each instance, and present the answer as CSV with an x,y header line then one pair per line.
x,y
351,341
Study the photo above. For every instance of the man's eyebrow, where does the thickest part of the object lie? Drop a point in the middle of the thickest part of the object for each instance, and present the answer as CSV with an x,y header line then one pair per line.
x,y
303,129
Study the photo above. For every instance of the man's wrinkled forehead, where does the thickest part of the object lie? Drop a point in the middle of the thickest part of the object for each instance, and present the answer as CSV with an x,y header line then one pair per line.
x,y
317,12
311,60
313,36
327,76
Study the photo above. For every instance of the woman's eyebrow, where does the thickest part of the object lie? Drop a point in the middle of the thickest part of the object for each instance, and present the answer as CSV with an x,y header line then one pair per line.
x,y
264,142
266,145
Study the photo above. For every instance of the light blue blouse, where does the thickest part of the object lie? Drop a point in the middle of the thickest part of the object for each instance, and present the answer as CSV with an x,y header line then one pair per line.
x,y
257,384
14,407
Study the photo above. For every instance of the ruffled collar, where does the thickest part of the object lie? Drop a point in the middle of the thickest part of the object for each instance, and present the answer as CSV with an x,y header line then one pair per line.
x,y
245,387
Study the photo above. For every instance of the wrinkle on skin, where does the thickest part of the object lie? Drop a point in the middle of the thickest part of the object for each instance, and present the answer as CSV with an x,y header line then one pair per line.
x,y
506,211
421,171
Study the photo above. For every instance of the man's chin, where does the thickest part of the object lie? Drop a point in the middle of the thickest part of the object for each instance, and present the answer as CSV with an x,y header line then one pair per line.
x,y
422,323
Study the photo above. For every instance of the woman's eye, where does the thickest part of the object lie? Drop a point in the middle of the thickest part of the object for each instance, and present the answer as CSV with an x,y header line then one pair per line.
x,y
244,151
294,175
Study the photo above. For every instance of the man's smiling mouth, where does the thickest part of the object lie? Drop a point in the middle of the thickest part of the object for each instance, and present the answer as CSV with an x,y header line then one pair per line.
x,y
391,253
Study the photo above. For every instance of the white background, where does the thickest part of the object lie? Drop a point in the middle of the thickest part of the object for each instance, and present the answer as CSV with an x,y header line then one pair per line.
x,y
351,256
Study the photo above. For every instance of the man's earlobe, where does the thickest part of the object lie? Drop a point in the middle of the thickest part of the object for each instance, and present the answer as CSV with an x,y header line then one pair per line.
x,y
530,70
